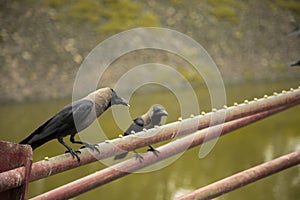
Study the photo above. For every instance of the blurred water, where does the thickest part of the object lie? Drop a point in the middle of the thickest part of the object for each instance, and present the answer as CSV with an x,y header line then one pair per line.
x,y
239,150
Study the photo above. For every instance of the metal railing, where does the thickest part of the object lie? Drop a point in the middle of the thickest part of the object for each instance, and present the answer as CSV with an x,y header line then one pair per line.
x,y
194,129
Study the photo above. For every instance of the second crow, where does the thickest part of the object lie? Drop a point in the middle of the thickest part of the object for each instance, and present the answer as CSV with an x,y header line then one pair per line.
x,y
148,120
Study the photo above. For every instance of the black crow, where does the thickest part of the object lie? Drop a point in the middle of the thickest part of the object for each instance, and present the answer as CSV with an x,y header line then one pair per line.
x,y
73,118
148,120
295,32
297,63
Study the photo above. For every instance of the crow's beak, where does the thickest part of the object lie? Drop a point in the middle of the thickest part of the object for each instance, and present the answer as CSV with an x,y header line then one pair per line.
x,y
124,102
163,113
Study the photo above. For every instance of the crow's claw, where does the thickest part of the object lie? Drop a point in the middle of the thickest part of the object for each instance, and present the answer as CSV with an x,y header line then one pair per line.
x,y
74,153
156,152
138,156
91,146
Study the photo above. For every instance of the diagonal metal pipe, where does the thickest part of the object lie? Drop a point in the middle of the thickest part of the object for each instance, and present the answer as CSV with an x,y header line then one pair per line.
x,y
65,162
244,178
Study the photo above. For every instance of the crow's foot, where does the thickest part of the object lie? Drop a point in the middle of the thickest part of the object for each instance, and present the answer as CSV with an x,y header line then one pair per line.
x,y
156,152
74,153
90,146
138,156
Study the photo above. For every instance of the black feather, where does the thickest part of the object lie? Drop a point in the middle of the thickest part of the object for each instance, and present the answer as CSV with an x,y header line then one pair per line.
x,y
136,126
61,124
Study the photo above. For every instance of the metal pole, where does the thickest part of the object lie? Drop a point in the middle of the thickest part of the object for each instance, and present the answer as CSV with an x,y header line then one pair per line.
x,y
244,178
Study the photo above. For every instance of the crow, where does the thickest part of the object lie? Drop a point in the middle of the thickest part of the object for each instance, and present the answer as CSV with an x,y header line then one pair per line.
x,y
73,118
295,32
148,120
296,63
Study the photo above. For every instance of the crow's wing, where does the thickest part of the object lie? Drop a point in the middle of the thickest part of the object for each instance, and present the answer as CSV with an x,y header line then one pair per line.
x,y
136,126
62,123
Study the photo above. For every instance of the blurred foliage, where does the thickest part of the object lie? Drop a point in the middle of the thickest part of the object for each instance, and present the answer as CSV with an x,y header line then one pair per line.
x,y
105,16
227,10
177,2
190,74
246,39
291,5
247,74
279,67
238,35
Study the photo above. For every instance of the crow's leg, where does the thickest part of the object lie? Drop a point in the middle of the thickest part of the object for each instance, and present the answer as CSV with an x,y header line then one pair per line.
x,y
88,145
151,148
138,156
70,150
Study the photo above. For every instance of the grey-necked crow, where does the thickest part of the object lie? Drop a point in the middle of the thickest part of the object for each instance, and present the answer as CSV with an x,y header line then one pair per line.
x,y
295,32
296,63
148,120
73,118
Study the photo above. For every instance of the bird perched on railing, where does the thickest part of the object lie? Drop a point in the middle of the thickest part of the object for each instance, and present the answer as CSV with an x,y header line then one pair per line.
x,y
296,63
295,32
148,120
73,118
